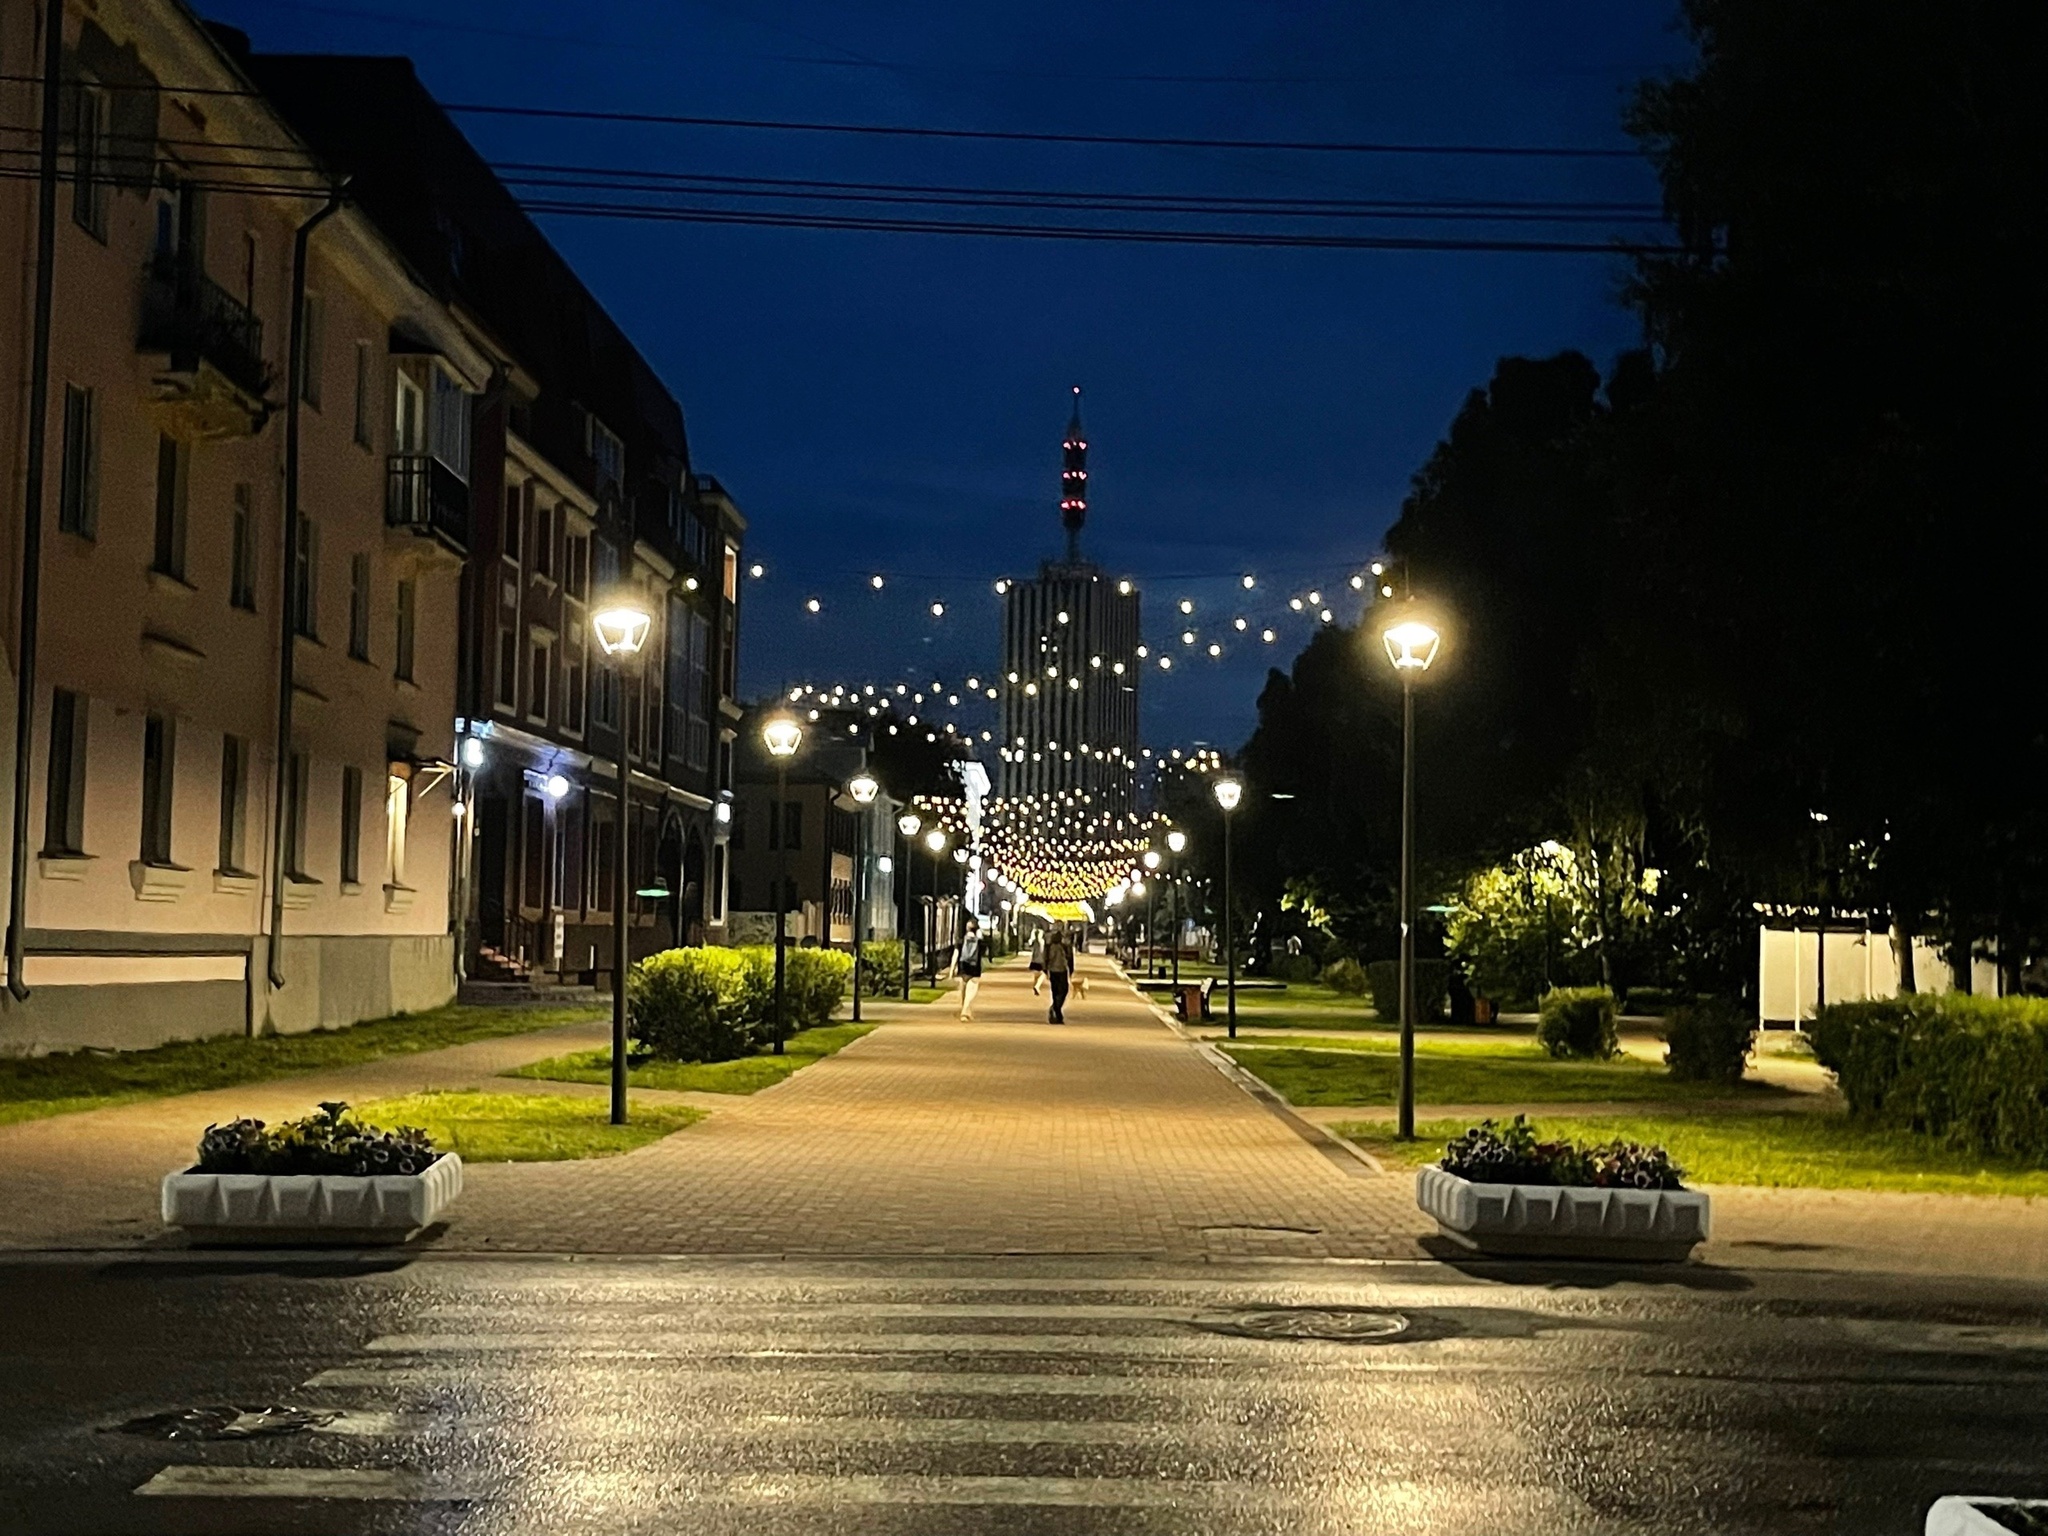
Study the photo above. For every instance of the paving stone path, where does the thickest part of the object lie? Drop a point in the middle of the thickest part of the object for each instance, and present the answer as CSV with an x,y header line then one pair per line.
x,y
1111,1135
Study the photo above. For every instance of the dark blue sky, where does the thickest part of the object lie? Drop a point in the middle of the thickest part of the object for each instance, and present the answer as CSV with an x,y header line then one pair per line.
x,y
893,403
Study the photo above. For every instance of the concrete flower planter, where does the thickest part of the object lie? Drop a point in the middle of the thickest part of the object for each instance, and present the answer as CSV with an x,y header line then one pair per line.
x,y
1544,1221
272,1210
1984,1515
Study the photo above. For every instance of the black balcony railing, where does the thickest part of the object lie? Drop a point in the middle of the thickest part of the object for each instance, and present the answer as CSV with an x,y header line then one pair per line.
x,y
195,320
425,495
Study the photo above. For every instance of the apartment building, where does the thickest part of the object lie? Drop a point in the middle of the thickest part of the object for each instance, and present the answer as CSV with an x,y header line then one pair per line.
x,y
585,495
243,765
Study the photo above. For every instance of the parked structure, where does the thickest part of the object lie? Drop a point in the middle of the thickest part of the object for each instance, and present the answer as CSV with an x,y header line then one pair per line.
x,y
190,642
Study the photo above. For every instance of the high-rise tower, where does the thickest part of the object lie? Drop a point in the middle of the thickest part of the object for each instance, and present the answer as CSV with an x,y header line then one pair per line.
x,y
1070,661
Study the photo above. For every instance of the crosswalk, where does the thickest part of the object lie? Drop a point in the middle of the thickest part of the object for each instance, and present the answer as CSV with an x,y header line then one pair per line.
x,y
823,1405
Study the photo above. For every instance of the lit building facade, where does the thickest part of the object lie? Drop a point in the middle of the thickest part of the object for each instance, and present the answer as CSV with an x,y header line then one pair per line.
x,y
1070,660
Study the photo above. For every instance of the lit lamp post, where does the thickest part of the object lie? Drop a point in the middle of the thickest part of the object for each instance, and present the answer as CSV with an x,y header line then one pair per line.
x,y
1152,914
908,824
1228,793
863,788
1411,646
1176,844
783,736
935,840
621,630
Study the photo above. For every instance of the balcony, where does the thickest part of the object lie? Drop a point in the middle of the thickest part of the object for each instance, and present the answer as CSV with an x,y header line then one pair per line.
x,y
426,498
215,378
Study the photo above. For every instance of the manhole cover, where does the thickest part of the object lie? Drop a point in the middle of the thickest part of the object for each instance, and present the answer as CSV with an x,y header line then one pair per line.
x,y
227,1421
1340,1325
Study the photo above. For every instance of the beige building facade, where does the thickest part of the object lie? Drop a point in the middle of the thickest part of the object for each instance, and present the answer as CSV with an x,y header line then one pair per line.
x,y
168,610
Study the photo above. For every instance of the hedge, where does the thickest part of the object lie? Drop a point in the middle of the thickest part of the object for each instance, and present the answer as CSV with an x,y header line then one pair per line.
x,y
1432,989
714,1004
1346,975
1971,1072
1708,1041
1579,1021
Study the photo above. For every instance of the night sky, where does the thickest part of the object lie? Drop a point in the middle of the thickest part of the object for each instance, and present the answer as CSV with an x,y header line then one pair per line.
x,y
893,403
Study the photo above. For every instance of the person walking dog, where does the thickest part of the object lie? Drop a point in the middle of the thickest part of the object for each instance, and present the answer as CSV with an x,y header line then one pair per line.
x,y
1059,970
967,966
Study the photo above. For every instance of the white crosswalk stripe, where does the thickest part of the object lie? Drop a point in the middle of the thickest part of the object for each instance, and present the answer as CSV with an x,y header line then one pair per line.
x,y
830,1399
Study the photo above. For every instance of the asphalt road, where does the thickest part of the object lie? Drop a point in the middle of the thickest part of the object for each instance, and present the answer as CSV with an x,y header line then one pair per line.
x,y
545,1396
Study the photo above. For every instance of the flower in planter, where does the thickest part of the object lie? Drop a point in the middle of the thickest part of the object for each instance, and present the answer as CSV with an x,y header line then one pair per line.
x,y
1495,1153
330,1141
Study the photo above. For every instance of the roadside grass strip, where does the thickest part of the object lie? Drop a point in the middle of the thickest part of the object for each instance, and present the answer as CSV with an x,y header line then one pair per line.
x,y
1467,1072
34,1087
748,1074
527,1128
1782,1151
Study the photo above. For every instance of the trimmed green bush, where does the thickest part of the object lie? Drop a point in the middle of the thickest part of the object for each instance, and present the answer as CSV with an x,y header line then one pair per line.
x,y
1655,1002
816,981
1579,1021
1432,989
882,962
1293,969
1971,1072
1346,975
1708,1041
696,1004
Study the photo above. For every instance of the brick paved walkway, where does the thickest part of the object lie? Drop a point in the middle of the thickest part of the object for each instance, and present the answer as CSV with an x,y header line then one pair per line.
x,y
1112,1135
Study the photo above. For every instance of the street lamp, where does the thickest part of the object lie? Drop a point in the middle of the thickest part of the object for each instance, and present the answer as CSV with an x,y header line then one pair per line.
x,y
621,629
935,840
908,824
1412,645
1228,793
1176,843
1152,914
783,736
863,787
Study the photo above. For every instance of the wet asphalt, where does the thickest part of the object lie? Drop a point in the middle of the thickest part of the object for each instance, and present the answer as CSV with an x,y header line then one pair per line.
x,y
571,1395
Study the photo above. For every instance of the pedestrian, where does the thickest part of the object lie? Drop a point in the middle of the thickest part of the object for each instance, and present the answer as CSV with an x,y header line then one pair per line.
x,y
967,966
1059,969
1037,962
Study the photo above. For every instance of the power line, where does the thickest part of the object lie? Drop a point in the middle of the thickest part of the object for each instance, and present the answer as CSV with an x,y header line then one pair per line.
x,y
998,135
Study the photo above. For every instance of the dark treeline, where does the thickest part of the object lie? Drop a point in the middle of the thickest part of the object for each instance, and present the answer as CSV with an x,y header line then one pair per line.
x,y
1761,608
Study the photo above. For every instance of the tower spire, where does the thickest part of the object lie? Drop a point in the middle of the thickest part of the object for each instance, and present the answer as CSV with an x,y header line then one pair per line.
x,y
1074,481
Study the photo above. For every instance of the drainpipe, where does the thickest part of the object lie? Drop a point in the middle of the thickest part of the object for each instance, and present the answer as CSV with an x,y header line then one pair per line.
x,y
32,509
288,627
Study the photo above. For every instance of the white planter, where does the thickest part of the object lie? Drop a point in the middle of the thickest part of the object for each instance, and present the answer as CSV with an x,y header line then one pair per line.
x,y
266,1208
1977,1514
1541,1220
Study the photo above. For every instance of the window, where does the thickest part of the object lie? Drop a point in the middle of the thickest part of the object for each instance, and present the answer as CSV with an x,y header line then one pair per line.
x,y
515,521
242,572
234,801
306,580
173,477
362,394
731,586
793,824
351,826
64,802
543,540
539,682
605,449
717,891
408,618
606,868
78,501
409,416
533,869
312,356
604,696
296,770
576,565
359,607
89,160
249,272
159,753
573,663
397,803
508,666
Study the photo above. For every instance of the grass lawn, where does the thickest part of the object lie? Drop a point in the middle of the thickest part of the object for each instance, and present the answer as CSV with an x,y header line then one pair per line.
x,y
32,1087
1794,1151
749,1074
527,1127
1466,1072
